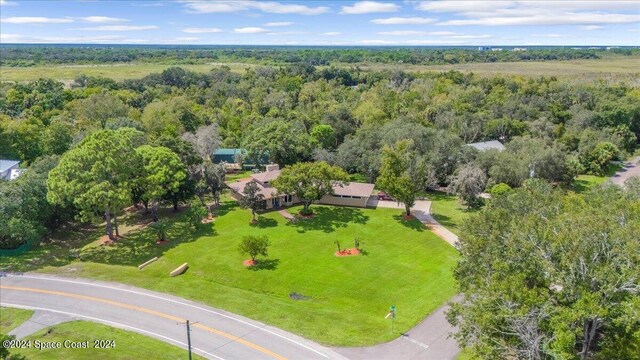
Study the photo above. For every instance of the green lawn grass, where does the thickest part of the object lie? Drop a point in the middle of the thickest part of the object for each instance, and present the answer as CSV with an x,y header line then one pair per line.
x,y
238,175
584,183
11,318
448,211
347,298
128,345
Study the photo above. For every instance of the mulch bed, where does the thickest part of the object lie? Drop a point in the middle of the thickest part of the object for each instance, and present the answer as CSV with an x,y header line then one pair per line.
x,y
348,252
249,263
162,242
307,216
208,220
104,240
408,217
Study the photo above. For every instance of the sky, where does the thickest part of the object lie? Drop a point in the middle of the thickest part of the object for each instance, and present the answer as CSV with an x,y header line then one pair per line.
x,y
389,23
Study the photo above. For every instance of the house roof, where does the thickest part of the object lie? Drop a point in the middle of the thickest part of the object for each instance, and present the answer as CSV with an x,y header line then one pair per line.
x,y
229,151
266,176
486,145
238,186
347,189
7,164
354,189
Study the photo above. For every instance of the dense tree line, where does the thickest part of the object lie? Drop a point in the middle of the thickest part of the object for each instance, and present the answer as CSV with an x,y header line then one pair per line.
x,y
30,55
549,275
345,117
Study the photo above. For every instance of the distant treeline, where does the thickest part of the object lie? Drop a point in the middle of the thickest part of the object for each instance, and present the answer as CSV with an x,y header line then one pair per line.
x,y
24,56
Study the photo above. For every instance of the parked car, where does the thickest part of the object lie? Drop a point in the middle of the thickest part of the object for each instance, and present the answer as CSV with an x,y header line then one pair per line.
x,y
384,196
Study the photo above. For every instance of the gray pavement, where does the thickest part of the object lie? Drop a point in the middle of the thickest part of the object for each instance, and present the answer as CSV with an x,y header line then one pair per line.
x,y
38,321
629,168
216,334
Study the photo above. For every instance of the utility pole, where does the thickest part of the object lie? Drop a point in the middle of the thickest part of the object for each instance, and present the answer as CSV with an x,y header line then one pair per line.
x,y
188,336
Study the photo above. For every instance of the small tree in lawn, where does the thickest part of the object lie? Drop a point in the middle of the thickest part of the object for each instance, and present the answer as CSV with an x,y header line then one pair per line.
x,y
252,199
310,181
402,173
196,212
160,228
254,246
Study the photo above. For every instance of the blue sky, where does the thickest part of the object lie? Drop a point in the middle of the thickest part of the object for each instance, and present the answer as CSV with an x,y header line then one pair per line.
x,y
252,22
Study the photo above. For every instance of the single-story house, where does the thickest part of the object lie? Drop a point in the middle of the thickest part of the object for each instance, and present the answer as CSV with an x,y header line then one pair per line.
x,y
487,145
10,169
349,194
227,156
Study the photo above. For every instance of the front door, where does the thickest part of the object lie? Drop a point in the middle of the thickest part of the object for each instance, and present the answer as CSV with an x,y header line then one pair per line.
x,y
275,201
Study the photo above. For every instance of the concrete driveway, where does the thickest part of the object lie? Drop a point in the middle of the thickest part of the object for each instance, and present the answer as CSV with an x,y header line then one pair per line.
x,y
629,168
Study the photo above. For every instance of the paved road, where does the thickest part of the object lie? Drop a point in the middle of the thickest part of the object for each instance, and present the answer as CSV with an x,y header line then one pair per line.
x,y
215,334
629,168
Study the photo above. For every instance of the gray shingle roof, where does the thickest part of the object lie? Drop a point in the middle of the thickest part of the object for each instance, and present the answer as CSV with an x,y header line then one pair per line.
x,y
486,145
7,164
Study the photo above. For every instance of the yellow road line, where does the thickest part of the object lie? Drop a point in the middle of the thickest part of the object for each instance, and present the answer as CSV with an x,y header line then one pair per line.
x,y
148,311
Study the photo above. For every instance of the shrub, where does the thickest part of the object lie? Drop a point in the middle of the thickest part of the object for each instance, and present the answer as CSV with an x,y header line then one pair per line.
x,y
499,189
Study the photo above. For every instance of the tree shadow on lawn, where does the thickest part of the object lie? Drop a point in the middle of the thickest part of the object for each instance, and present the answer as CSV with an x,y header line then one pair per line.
x,y
266,264
328,219
411,224
265,222
140,246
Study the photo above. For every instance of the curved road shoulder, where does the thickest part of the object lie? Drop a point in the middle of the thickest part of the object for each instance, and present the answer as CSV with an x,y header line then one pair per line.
x,y
216,334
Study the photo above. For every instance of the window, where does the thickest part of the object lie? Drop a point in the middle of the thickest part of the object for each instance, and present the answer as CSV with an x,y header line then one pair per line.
x,y
288,198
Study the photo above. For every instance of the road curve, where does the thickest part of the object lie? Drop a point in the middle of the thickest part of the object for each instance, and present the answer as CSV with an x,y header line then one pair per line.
x,y
215,334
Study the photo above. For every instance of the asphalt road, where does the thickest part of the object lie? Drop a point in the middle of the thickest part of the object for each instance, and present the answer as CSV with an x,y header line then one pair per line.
x,y
215,334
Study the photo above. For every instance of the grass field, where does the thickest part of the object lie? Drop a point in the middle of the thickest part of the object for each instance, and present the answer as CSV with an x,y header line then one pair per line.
x,y
610,68
346,298
128,345
113,71
10,318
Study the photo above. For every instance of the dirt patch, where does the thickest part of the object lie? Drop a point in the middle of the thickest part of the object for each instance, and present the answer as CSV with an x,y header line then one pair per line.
x,y
162,242
406,217
296,296
348,252
249,262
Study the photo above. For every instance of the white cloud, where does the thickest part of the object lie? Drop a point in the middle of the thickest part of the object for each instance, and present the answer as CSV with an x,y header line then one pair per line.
x,y
412,42
331,33
462,6
447,34
187,38
532,13
201,30
250,30
120,28
377,42
403,21
215,6
102,19
279,23
633,30
287,33
591,27
34,20
367,7
548,19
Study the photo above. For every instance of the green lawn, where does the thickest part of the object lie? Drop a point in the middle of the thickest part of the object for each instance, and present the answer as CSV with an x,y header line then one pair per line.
x,y
238,175
128,345
346,298
448,211
584,183
11,318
